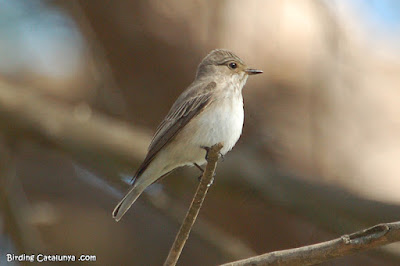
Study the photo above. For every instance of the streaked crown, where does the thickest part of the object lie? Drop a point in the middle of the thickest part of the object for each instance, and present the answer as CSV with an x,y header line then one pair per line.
x,y
219,58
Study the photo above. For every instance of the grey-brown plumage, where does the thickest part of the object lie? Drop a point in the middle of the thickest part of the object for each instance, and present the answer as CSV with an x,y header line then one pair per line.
x,y
182,111
209,111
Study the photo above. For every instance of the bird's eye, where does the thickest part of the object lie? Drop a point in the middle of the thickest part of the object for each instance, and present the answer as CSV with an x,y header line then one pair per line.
x,y
232,65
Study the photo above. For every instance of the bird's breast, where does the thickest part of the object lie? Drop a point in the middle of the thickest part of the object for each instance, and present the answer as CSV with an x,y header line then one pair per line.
x,y
221,121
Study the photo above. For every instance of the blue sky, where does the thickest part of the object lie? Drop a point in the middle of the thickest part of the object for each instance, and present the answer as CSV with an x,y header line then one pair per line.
x,y
383,15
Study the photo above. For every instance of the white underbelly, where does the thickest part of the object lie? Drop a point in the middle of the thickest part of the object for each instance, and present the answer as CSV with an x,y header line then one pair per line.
x,y
221,122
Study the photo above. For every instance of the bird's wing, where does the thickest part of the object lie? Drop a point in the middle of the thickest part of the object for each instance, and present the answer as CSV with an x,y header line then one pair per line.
x,y
191,103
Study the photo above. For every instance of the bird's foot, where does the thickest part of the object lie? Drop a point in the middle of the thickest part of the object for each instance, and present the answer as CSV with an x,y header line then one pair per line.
x,y
221,156
207,150
199,167
201,170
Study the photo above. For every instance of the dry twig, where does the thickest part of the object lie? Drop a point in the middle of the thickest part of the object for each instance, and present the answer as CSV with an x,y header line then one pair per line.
x,y
80,131
85,133
197,202
375,236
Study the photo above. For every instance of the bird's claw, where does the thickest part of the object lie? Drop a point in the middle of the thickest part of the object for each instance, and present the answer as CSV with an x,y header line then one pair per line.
x,y
208,149
199,167
221,156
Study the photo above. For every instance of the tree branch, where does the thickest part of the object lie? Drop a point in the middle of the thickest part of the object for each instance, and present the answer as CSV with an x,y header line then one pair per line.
x,y
81,132
375,236
197,202
90,137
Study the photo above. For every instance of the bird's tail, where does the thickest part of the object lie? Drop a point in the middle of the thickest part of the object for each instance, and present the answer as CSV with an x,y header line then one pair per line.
x,y
126,202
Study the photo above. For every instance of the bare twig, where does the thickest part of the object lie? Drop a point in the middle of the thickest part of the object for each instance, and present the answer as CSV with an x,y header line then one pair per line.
x,y
197,202
342,212
25,114
375,236
229,245
81,132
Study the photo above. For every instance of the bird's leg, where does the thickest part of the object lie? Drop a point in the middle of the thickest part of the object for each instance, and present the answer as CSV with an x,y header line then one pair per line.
x,y
201,170
207,150
199,167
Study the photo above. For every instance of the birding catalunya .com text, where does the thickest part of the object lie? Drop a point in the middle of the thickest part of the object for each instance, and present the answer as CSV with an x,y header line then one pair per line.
x,y
10,257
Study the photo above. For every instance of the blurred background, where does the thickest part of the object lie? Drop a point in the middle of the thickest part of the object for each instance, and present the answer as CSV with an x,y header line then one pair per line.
x,y
84,84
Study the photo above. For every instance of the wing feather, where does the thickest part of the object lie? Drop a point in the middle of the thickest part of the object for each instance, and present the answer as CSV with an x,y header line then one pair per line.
x,y
191,103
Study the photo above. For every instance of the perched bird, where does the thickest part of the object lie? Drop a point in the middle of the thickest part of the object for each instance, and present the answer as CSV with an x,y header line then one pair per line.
x,y
209,111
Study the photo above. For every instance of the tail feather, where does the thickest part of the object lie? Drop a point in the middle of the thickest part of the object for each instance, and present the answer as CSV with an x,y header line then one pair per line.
x,y
138,186
127,201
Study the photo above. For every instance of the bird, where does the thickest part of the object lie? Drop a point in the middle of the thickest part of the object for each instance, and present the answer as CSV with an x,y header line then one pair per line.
x,y
208,112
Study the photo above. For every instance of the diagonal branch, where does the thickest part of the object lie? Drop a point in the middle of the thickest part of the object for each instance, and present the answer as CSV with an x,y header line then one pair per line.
x,y
375,236
90,137
197,202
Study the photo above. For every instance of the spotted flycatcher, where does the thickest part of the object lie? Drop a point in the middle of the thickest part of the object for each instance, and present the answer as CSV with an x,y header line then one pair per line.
x,y
209,111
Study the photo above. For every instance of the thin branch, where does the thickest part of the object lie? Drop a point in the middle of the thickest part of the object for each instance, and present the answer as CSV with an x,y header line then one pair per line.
x,y
25,114
197,202
229,245
82,132
375,236
343,211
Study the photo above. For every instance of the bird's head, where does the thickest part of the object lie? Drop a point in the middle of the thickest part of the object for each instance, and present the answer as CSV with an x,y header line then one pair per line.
x,y
225,64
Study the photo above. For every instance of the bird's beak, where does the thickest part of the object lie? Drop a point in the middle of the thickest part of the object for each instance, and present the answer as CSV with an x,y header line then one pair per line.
x,y
251,71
